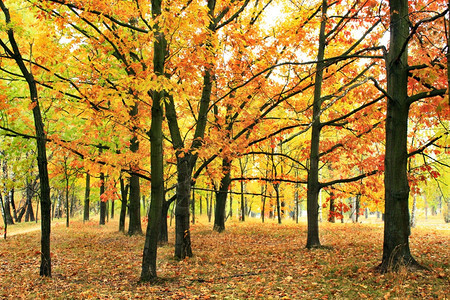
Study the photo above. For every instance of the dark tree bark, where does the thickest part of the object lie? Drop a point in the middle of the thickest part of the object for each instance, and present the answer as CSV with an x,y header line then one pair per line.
x,y
148,272
29,192
87,193
242,202
123,207
13,204
163,232
396,251
134,226
276,187
313,186
134,209
102,201
193,206
221,196
45,268
67,198
332,212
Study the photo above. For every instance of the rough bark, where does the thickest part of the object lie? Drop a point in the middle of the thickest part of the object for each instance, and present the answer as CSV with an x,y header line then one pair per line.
x,y
148,271
102,201
221,196
87,193
123,207
14,52
134,226
134,211
313,186
163,229
396,251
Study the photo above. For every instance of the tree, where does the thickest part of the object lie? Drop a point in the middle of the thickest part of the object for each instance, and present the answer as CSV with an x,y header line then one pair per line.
x,y
14,52
148,271
396,250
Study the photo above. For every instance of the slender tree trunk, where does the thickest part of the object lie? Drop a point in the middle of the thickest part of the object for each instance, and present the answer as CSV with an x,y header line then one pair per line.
x,y
87,193
45,268
123,208
357,207
13,204
112,209
67,200
263,203
313,186
332,212
102,201
2,207
221,196
413,212
193,206
163,231
134,226
277,195
242,202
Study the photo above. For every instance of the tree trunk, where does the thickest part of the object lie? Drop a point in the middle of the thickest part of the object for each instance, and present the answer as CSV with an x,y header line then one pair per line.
x,y
221,196
242,202
182,232
123,207
134,226
277,195
67,200
29,214
163,230
413,212
156,154
357,207
193,206
396,250
313,186
41,138
332,212
87,193
13,204
102,201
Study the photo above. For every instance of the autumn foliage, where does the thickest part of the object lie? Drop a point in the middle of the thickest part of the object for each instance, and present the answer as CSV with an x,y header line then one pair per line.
x,y
246,261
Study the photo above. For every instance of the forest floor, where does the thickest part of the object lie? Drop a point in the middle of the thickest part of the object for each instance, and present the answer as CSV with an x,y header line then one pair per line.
x,y
248,261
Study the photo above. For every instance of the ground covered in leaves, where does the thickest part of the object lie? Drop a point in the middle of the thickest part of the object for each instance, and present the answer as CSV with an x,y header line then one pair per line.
x,y
248,260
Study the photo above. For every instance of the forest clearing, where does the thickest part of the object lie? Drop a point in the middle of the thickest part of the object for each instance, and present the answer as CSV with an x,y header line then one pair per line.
x,y
248,261
124,122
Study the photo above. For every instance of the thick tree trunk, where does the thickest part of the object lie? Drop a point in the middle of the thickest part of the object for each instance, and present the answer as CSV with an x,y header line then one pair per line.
x,y
313,186
123,207
182,232
148,271
102,201
396,250
221,196
87,193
